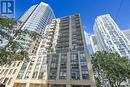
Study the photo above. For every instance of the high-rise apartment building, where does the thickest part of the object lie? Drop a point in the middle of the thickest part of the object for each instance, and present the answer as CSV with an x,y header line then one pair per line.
x,y
36,18
109,37
62,59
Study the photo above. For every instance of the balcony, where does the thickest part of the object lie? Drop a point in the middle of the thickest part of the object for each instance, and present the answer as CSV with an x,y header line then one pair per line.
x,y
63,36
50,34
80,48
62,45
62,50
53,27
64,19
49,43
76,33
62,40
64,31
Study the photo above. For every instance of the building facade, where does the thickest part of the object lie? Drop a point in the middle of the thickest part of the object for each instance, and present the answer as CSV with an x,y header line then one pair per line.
x,y
8,73
109,37
62,59
35,19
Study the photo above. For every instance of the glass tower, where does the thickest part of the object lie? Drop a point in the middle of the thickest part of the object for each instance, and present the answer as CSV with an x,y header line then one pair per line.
x,y
35,19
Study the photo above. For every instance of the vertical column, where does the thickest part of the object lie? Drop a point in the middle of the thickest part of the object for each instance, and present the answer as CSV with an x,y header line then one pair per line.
x,y
80,71
70,33
68,68
49,65
58,69
69,54
27,84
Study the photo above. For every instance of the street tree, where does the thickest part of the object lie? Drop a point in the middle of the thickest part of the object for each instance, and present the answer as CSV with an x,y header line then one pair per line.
x,y
12,49
111,66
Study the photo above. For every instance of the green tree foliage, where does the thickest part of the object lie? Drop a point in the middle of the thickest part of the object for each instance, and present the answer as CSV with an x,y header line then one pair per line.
x,y
12,51
112,66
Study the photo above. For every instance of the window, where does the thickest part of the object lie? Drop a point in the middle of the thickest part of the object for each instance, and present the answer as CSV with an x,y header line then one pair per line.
x,y
53,65
2,71
74,66
10,71
63,66
27,75
14,71
22,70
53,69
10,80
83,64
14,64
40,75
75,75
6,71
84,67
35,74
1,79
5,81
18,63
62,75
85,76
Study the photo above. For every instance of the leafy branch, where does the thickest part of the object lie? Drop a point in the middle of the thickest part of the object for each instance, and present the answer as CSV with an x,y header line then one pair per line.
x,y
12,49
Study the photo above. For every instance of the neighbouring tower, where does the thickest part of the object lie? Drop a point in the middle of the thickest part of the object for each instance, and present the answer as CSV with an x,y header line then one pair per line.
x,y
36,18
109,37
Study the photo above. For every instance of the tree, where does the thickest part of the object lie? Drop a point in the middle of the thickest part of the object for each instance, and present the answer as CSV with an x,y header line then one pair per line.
x,y
13,50
111,66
